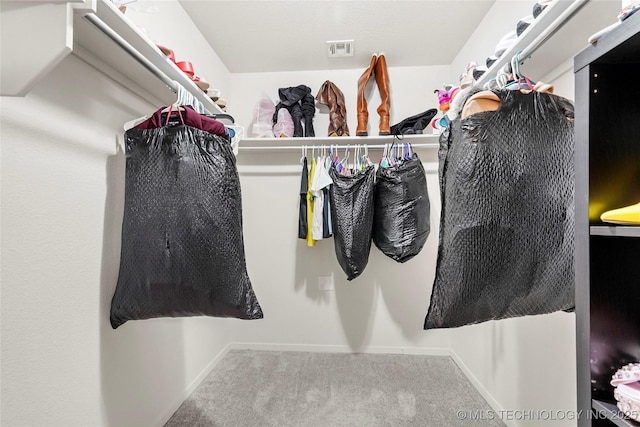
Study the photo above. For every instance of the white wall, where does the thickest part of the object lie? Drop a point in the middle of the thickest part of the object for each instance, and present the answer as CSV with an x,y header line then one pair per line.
x,y
518,364
563,80
62,203
384,308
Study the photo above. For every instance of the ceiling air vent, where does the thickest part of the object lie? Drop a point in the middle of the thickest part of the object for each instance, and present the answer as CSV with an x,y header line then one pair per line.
x,y
339,48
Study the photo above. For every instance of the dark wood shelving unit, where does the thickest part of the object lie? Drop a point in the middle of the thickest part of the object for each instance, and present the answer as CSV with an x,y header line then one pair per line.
x,y
607,256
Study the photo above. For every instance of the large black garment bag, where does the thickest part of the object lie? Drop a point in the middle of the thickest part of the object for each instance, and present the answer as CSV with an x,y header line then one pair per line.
x,y
507,221
182,244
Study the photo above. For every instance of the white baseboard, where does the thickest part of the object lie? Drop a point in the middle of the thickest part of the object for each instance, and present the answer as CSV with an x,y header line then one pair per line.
x,y
320,348
497,408
171,409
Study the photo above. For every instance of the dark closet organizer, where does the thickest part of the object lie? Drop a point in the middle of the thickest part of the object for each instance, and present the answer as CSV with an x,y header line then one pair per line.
x,y
607,257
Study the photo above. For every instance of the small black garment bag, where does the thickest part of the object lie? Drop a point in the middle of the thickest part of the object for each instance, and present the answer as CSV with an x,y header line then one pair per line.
x,y
401,216
352,215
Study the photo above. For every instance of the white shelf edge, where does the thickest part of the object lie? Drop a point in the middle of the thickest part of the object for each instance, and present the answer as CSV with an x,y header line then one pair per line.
x,y
529,35
101,66
615,230
269,144
106,12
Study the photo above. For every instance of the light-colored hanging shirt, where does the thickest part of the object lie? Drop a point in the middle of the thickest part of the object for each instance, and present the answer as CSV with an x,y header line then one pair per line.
x,y
321,180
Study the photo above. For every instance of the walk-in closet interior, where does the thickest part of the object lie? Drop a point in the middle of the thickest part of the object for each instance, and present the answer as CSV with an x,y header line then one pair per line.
x,y
535,310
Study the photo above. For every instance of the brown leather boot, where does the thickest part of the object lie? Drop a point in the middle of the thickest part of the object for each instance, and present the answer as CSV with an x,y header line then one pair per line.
x,y
363,113
330,95
382,79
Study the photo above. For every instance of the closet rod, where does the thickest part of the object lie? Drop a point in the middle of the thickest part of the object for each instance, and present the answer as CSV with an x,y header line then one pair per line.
x,y
342,147
536,43
554,27
98,23
153,69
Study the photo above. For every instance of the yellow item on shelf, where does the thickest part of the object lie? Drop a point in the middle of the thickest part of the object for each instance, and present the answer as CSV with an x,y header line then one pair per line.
x,y
629,215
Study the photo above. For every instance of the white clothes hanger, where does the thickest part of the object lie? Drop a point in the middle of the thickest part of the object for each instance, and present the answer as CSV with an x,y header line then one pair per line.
x,y
180,98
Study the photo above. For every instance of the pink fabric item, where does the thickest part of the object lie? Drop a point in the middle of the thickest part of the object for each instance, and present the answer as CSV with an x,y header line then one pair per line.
x,y
190,118
284,126
263,118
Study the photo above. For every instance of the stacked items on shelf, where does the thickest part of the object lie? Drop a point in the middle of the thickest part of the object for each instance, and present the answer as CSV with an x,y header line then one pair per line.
x,y
188,69
294,113
473,72
291,117
629,8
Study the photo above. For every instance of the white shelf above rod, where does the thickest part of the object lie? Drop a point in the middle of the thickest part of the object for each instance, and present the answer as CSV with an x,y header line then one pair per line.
x,y
153,69
554,27
547,32
341,147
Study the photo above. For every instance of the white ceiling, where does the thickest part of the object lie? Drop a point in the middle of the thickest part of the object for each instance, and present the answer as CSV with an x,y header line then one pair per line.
x,y
291,35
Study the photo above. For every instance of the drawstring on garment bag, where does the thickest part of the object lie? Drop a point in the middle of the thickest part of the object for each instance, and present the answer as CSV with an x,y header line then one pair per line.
x,y
518,80
169,115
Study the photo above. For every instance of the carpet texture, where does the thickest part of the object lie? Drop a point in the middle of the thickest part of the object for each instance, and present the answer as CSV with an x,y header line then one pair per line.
x,y
264,388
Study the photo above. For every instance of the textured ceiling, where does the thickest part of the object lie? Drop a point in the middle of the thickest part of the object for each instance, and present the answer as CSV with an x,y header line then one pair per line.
x,y
263,36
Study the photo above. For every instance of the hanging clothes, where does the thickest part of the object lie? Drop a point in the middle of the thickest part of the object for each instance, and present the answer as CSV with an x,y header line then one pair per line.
x,y
304,189
327,226
189,117
310,241
321,181
182,245
327,230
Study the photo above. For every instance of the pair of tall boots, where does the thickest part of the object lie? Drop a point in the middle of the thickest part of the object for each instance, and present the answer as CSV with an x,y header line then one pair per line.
x,y
377,67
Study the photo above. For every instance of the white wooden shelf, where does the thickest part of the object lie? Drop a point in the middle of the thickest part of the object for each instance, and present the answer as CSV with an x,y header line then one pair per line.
x,y
424,141
98,33
558,33
109,41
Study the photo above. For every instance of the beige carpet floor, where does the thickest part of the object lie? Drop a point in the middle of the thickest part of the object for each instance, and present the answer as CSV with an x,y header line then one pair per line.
x,y
264,388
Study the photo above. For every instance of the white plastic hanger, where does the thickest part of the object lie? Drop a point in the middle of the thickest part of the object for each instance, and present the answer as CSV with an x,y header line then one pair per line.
x,y
180,95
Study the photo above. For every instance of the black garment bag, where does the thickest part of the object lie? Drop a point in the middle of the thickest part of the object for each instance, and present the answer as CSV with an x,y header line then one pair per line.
x,y
352,216
182,244
401,215
507,221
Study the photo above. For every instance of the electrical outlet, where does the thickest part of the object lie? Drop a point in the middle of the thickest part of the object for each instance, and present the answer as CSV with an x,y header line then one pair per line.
x,y
325,283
